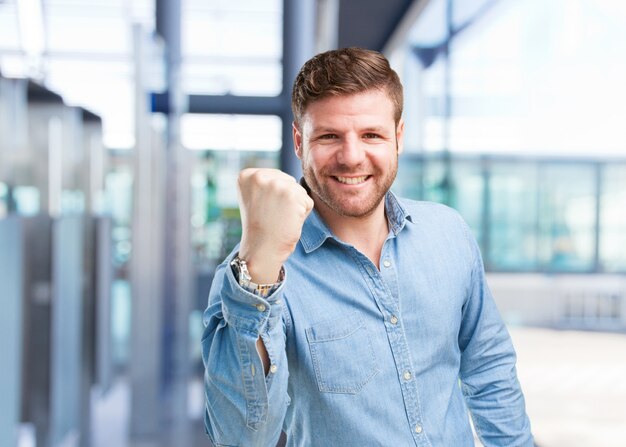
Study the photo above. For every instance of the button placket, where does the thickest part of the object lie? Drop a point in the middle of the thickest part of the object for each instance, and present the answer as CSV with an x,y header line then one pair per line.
x,y
386,289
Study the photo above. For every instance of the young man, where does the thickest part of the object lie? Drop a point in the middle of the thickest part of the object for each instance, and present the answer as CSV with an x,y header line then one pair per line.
x,y
348,316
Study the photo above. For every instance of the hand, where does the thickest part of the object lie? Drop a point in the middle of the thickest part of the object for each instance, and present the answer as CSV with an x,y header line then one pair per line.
x,y
273,210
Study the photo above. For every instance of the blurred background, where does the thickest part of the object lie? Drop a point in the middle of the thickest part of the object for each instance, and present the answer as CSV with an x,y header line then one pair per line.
x,y
123,125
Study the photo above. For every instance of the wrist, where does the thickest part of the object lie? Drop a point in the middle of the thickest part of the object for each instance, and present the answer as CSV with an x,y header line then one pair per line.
x,y
263,266
246,281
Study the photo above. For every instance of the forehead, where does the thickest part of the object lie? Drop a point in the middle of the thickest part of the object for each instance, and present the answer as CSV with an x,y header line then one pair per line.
x,y
372,107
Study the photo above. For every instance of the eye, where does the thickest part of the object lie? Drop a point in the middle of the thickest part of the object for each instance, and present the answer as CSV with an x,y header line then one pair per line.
x,y
371,135
328,136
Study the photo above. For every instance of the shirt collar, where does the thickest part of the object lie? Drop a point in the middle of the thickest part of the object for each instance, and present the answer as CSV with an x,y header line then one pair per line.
x,y
315,231
397,214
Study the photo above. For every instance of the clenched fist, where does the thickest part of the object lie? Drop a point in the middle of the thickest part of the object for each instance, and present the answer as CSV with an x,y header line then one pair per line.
x,y
273,209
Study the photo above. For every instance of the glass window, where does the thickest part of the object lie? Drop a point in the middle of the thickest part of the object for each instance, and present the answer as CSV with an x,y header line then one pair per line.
x,y
215,221
465,11
466,192
119,203
431,29
249,77
104,88
232,47
27,200
567,210
516,79
512,216
613,219
231,132
457,183
9,31
434,178
88,56
434,135
409,182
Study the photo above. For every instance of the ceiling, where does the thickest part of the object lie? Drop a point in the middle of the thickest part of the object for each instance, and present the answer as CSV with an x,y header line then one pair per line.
x,y
230,47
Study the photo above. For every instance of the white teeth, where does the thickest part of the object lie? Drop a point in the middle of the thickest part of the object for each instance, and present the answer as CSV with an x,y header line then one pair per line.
x,y
352,180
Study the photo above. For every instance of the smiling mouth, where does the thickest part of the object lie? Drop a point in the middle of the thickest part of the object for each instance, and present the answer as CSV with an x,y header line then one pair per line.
x,y
352,180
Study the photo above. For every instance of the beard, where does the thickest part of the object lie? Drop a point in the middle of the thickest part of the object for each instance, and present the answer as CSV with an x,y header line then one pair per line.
x,y
360,203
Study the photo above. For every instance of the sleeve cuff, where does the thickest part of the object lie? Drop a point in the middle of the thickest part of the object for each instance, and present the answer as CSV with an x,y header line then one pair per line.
x,y
246,310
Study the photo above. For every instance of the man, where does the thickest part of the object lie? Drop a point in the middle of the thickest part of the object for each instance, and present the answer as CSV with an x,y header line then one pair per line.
x,y
348,316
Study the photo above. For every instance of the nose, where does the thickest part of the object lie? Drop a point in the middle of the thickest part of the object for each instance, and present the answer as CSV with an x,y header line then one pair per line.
x,y
351,152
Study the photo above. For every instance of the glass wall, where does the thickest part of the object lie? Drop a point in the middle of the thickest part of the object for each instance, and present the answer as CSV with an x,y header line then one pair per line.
x,y
232,47
530,214
215,221
612,233
514,116
567,217
513,215
519,77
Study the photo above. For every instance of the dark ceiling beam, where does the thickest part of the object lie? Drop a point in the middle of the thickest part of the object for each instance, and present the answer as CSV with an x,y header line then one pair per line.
x,y
39,93
227,104
370,23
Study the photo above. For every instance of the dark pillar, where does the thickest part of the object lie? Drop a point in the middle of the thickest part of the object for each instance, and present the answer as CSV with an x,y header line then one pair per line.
x,y
298,47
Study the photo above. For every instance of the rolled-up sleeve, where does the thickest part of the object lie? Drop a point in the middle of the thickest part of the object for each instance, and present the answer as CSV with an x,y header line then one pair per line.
x,y
243,405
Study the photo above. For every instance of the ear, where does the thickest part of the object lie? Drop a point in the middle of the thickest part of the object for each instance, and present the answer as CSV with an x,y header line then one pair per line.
x,y
400,135
297,139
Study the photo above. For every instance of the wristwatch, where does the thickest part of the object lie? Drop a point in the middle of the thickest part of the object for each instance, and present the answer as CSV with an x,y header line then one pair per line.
x,y
240,270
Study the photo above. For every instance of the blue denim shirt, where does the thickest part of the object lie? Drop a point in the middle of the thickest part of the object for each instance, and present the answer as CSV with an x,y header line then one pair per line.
x,y
361,356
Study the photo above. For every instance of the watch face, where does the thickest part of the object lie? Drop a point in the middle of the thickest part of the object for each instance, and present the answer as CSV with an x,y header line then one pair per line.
x,y
244,276
240,270
244,273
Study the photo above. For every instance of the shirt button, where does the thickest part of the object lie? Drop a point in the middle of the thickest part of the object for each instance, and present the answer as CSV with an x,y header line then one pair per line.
x,y
387,263
393,319
273,369
407,375
260,307
418,429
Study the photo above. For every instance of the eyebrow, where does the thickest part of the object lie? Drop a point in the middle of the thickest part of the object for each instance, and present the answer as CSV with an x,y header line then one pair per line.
x,y
377,129
324,130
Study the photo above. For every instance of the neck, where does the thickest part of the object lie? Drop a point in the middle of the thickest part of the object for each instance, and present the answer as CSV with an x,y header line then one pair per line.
x,y
367,233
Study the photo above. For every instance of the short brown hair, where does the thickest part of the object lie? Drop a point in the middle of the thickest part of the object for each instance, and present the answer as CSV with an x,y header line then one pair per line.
x,y
344,72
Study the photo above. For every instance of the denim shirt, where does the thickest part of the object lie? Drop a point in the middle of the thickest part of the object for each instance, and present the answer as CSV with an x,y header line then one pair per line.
x,y
361,356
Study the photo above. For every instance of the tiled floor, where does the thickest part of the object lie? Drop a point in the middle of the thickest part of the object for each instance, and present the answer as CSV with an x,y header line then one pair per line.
x,y
574,382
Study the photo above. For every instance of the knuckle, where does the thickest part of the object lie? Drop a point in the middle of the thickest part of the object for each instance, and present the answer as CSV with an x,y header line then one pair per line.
x,y
274,184
244,175
261,178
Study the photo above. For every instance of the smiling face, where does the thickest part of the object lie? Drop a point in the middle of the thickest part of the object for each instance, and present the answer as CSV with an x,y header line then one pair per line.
x,y
349,146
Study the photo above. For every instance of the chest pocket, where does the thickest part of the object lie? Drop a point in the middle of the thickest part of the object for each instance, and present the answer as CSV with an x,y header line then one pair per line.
x,y
342,355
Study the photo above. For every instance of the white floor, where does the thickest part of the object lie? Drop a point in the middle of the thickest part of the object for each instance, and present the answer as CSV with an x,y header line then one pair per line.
x,y
110,417
575,386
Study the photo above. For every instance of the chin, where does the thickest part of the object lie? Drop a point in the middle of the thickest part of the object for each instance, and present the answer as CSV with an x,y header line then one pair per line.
x,y
354,210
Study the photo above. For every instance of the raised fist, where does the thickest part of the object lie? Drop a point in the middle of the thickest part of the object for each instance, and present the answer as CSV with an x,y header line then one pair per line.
x,y
273,210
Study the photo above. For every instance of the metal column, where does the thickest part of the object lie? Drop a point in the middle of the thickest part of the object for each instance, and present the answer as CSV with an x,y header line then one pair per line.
x,y
298,46
11,279
67,336
177,268
147,291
